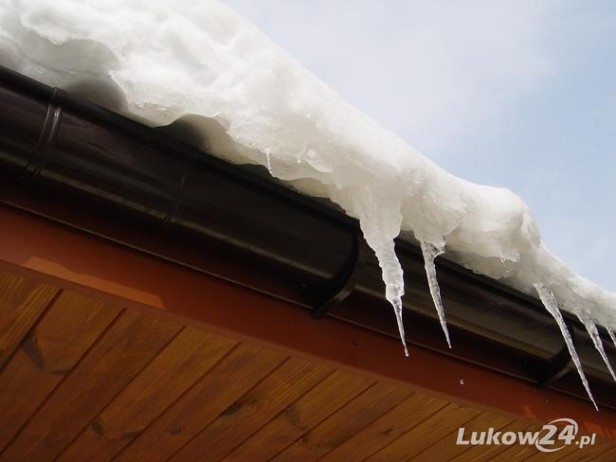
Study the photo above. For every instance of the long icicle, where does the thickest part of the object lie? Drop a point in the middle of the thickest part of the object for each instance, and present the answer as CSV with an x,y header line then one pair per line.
x,y
550,304
397,305
394,284
612,336
430,252
592,330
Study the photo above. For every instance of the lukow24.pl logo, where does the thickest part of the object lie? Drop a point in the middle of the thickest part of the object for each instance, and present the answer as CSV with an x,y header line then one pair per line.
x,y
549,439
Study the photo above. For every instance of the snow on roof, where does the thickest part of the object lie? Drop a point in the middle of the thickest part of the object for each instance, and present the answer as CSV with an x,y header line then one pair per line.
x,y
160,61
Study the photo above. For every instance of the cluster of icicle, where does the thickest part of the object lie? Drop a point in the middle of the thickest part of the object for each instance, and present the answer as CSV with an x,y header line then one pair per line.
x,y
200,63
549,302
545,295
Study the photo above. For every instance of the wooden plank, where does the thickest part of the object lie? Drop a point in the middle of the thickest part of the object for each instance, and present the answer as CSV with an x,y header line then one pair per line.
x,y
560,454
386,429
184,361
608,455
22,302
426,434
344,423
231,378
447,449
300,417
253,410
568,451
127,346
563,453
573,453
55,345
519,452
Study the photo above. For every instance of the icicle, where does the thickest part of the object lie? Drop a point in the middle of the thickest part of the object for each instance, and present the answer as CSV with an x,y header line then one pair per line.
x,y
430,252
397,304
612,336
394,284
591,328
550,304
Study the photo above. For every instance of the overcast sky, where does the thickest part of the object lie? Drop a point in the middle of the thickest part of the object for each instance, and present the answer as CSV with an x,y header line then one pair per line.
x,y
511,93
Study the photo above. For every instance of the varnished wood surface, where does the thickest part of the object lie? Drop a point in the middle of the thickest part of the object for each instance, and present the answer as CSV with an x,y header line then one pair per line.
x,y
82,379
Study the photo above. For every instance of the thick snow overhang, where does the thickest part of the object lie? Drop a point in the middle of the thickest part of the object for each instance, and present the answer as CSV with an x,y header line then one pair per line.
x,y
89,168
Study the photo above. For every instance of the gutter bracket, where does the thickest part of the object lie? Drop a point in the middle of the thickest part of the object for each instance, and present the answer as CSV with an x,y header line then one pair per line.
x,y
323,297
178,201
47,138
546,372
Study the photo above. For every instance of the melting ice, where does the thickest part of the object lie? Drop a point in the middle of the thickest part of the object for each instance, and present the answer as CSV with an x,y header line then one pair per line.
x,y
612,336
551,305
394,285
430,252
593,332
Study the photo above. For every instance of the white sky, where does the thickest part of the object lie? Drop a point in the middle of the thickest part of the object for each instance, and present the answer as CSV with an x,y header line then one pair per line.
x,y
520,94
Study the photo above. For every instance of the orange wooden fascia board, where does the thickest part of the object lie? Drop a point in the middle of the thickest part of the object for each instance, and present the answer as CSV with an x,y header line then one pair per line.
x,y
69,258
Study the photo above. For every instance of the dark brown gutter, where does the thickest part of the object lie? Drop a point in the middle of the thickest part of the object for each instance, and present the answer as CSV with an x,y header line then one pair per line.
x,y
82,165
